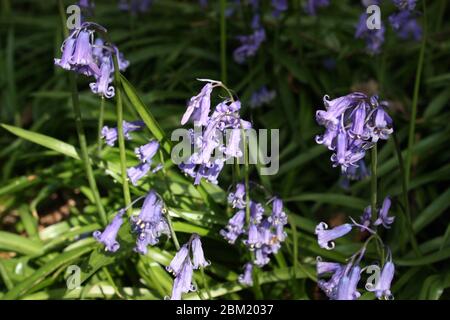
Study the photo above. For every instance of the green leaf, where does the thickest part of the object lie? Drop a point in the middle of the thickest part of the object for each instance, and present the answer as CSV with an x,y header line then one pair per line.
x,y
13,242
45,141
331,198
45,270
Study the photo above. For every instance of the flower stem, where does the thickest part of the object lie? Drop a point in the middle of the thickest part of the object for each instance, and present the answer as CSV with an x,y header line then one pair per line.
x,y
84,151
412,121
172,231
120,136
100,126
80,129
205,283
223,41
373,182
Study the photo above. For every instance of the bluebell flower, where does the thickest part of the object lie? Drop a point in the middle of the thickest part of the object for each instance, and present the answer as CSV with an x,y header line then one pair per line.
x,y
146,152
347,287
253,237
199,106
246,278
311,6
234,228
256,212
137,172
383,217
405,25
237,198
178,260
261,256
366,218
249,45
102,86
109,235
374,38
224,119
405,4
261,97
382,288
150,224
279,6
197,253
353,124
183,280
326,236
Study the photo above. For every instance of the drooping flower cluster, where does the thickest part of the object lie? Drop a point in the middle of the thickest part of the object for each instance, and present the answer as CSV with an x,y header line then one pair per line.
x,y
83,55
279,6
374,37
251,43
343,281
145,154
210,152
354,123
404,22
311,6
110,134
262,234
261,97
182,266
149,225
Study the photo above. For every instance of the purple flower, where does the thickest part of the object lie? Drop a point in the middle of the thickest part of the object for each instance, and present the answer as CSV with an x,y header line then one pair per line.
x,y
179,260
366,218
237,199
279,6
405,4
383,285
381,127
374,38
347,285
199,106
110,134
261,97
150,224
312,6
109,235
197,253
278,216
67,52
137,172
102,86
325,236
256,212
183,281
146,152
405,25
249,45
246,278
383,217
234,228
324,267
353,124
253,240
261,257
330,287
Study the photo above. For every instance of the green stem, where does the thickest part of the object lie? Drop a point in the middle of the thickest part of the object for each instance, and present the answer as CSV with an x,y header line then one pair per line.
x,y
373,182
172,230
412,121
100,126
80,129
120,136
407,211
223,41
205,283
